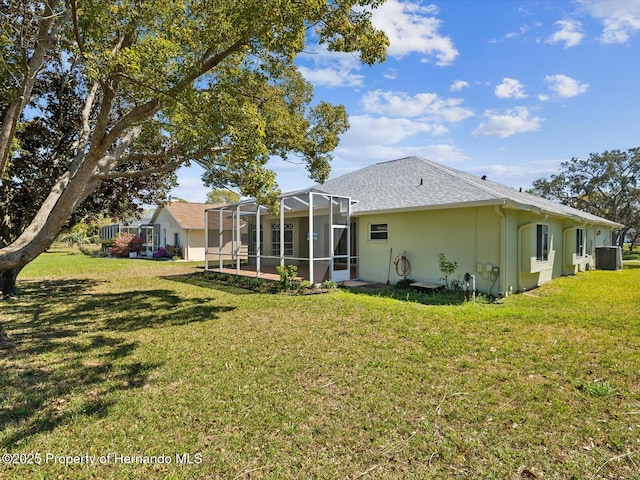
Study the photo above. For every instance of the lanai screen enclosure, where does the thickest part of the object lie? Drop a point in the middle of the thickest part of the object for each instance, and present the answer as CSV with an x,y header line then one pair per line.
x,y
312,231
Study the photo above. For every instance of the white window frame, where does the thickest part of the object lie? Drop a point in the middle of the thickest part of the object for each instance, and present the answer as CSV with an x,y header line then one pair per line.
x,y
580,242
379,235
542,233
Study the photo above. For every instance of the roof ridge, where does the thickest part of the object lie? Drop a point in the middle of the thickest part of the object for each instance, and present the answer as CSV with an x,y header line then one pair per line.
x,y
460,175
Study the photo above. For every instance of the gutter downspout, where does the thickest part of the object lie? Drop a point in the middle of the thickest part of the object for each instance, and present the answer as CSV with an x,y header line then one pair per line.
x,y
503,249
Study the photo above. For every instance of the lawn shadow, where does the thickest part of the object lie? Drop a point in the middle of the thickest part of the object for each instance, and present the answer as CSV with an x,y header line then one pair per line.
x,y
137,310
73,351
414,296
50,289
195,280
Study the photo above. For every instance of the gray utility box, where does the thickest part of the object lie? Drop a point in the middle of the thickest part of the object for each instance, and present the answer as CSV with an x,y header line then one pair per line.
x,y
609,258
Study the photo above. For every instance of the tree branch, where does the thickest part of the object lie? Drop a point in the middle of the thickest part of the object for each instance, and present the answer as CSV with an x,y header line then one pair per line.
x,y
208,62
136,114
76,30
142,173
113,162
48,34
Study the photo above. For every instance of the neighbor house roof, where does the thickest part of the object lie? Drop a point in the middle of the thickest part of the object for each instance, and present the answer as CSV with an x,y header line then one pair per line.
x,y
190,216
414,183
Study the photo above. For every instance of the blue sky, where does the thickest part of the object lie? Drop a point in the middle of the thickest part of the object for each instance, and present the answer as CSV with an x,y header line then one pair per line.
x,y
506,89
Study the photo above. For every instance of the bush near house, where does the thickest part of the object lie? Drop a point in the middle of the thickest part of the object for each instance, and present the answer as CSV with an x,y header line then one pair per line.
x,y
172,251
125,244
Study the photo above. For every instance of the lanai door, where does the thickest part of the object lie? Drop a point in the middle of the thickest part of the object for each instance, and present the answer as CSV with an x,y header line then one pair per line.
x,y
340,244
340,264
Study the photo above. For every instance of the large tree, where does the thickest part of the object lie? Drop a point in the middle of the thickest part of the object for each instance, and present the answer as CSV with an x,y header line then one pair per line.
x,y
605,184
46,147
164,83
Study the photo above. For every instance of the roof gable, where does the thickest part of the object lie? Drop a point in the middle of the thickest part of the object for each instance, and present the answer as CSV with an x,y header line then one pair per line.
x,y
190,216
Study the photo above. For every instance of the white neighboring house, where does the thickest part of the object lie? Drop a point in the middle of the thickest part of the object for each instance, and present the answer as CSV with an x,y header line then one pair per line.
x,y
181,224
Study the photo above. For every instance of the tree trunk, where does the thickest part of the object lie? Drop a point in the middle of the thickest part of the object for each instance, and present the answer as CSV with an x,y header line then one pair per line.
x,y
55,211
5,340
8,282
7,289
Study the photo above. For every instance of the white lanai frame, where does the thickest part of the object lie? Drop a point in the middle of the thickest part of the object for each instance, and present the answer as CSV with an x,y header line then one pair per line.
x,y
312,230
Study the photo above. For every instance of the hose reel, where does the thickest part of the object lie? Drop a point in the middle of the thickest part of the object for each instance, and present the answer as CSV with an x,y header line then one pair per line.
x,y
402,265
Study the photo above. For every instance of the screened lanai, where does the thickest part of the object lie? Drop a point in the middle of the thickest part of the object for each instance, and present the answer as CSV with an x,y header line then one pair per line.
x,y
312,231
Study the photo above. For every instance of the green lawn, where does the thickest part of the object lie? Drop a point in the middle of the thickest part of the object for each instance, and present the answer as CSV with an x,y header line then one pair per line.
x,y
120,358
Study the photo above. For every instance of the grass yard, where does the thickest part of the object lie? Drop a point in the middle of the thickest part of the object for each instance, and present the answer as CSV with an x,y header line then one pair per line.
x,y
117,358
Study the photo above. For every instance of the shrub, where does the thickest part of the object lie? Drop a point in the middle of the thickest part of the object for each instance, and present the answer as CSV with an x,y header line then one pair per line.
x,y
92,252
287,276
171,251
447,268
160,253
125,244
329,285
404,283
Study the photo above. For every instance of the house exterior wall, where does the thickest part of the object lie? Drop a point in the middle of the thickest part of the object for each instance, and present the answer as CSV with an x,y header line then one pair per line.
x,y
168,228
563,256
480,240
193,247
191,241
468,236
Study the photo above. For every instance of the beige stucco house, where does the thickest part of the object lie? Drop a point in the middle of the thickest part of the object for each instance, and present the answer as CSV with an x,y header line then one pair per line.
x,y
509,240
181,224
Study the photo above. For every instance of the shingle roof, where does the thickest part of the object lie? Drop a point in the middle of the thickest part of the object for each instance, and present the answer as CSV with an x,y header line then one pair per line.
x,y
188,215
413,183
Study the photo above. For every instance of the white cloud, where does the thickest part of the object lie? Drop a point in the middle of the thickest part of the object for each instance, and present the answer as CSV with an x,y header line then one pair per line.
x,y
564,87
427,105
351,158
458,85
620,19
331,69
517,176
510,88
190,186
331,77
369,130
516,120
521,31
390,74
412,27
569,33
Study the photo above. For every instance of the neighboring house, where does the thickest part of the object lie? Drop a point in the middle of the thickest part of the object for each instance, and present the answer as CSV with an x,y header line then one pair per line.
x,y
175,224
132,226
509,240
181,224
